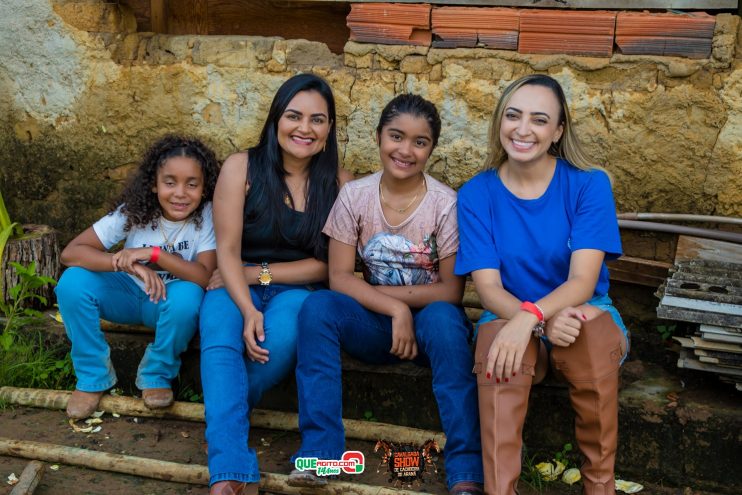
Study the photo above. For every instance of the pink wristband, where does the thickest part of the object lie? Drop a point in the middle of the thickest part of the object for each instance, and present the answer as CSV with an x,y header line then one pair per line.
x,y
155,254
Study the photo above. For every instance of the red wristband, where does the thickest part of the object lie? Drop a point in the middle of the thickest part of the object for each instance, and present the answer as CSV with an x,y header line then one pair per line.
x,y
155,254
533,309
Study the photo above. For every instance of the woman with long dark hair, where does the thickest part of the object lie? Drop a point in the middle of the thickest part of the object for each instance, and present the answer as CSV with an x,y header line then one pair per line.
x,y
270,205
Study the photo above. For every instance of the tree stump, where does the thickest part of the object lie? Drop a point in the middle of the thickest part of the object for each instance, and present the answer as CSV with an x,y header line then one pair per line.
x,y
38,243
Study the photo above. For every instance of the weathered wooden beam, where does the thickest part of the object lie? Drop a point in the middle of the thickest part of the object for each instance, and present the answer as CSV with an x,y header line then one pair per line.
x,y
702,343
103,461
170,471
272,420
576,4
686,361
188,17
30,477
638,271
690,248
158,15
700,305
696,316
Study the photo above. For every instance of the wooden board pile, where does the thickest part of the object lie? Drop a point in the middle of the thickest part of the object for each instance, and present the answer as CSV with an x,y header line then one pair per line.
x,y
705,287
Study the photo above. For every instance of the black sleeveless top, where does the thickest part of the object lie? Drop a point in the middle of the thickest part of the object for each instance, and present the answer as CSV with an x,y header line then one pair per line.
x,y
261,241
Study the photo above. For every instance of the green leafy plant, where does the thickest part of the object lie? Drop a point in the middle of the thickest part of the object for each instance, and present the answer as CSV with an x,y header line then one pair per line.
x,y
530,475
666,331
562,456
538,475
8,229
35,363
27,359
25,290
188,393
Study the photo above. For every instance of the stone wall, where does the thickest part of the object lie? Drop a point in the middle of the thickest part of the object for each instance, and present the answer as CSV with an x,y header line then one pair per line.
x,y
82,93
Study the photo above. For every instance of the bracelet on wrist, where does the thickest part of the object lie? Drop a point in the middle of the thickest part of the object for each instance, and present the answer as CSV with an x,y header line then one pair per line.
x,y
534,309
155,255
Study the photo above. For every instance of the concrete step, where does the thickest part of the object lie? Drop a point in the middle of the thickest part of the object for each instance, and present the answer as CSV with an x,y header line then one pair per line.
x,y
675,428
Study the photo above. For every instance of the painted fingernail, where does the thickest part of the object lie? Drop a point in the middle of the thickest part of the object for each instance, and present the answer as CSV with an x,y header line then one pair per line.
x,y
507,380
513,373
497,380
489,375
584,317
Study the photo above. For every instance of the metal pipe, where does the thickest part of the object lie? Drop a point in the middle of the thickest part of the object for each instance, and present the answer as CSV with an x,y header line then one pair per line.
x,y
679,217
718,235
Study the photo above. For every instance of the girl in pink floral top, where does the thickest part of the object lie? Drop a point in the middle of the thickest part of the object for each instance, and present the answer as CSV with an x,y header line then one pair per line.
x,y
402,224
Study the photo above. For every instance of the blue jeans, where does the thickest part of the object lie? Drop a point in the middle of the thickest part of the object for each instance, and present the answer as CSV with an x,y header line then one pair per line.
x,y
232,383
85,296
330,321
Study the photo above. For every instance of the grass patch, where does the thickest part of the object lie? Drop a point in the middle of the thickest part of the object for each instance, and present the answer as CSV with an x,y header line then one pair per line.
x,y
33,362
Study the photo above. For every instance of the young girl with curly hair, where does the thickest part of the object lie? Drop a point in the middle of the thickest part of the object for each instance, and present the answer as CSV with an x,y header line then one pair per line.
x,y
157,279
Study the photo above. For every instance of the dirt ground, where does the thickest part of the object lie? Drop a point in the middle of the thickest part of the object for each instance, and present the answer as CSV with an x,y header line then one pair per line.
x,y
183,442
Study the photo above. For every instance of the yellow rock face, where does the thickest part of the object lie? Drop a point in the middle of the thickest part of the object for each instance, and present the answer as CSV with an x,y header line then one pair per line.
x,y
82,94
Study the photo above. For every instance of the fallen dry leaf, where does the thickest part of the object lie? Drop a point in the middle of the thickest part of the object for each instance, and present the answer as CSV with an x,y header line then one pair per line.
x,y
628,486
571,476
78,429
12,479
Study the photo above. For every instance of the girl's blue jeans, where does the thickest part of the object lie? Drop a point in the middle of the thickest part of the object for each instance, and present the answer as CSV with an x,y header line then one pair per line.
x,y
330,321
232,383
85,296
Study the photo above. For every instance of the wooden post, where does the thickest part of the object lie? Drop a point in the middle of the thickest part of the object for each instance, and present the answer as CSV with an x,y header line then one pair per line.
x,y
158,15
189,411
103,461
39,244
169,471
188,17
30,477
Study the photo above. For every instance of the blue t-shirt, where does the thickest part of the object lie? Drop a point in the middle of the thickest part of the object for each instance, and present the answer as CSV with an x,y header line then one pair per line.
x,y
530,241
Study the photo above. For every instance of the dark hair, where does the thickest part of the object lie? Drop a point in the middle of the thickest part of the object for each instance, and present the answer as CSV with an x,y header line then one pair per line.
x,y
266,172
137,201
414,105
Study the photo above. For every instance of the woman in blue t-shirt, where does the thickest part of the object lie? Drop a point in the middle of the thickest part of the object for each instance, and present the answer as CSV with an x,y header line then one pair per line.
x,y
535,228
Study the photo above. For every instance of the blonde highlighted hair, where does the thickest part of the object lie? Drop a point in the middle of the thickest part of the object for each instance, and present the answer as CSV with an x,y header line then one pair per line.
x,y
568,147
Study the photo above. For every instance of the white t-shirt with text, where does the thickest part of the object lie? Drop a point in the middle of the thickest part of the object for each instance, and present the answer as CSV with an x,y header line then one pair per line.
x,y
179,238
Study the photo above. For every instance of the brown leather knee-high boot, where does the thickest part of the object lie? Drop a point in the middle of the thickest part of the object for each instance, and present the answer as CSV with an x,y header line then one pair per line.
x,y
502,412
590,365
